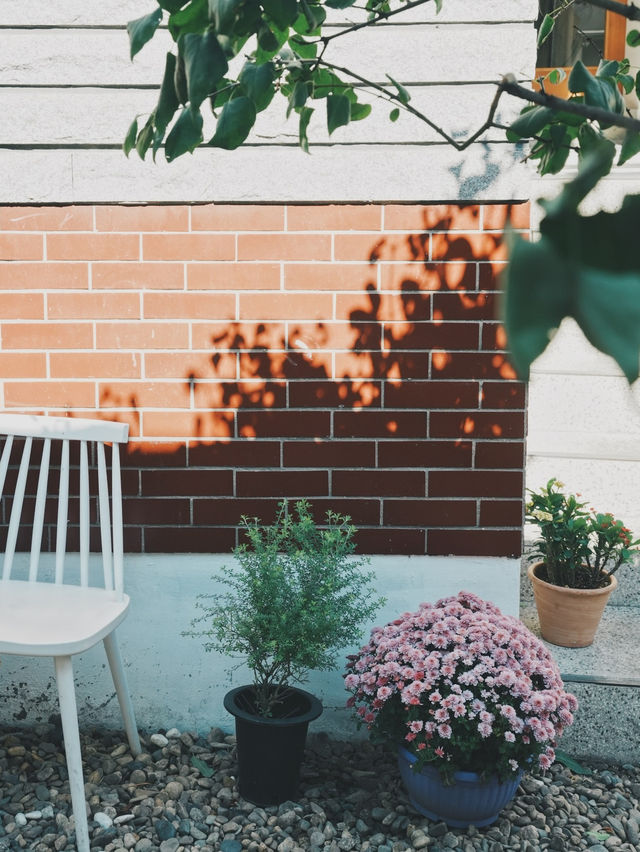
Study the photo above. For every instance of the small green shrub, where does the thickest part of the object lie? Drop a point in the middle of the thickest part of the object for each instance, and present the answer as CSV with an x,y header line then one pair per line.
x,y
297,596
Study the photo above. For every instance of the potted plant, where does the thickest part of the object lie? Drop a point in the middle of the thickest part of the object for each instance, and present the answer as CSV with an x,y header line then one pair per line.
x,y
579,550
296,597
469,697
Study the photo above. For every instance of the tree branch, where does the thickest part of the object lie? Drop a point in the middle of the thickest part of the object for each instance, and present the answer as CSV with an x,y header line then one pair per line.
x,y
393,97
627,11
509,85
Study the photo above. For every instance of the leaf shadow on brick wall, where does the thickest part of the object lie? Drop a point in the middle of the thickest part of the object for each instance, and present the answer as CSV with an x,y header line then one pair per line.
x,y
387,411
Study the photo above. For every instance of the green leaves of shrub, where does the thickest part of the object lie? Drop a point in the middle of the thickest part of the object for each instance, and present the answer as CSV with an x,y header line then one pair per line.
x,y
234,124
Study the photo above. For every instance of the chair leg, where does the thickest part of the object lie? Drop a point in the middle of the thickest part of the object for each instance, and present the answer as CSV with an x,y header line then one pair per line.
x,y
69,716
122,691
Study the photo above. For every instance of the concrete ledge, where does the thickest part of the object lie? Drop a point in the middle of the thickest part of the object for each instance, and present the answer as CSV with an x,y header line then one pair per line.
x,y
605,678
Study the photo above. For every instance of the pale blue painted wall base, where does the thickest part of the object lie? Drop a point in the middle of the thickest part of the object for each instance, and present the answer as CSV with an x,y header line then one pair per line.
x,y
174,682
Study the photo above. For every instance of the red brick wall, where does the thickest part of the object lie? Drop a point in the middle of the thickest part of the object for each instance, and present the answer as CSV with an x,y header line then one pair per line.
x,y
347,354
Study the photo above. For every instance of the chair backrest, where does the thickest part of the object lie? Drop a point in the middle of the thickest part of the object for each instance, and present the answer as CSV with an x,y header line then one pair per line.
x,y
90,437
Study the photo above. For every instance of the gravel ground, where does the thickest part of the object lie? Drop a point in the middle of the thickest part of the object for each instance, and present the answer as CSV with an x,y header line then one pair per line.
x,y
180,794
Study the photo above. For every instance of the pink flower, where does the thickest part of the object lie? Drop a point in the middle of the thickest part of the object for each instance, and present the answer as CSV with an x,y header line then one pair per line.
x,y
509,736
416,726
383,693
445,731
439,751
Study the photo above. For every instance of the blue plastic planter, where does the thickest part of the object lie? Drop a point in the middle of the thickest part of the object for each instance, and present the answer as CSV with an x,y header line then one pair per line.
x,y
469,801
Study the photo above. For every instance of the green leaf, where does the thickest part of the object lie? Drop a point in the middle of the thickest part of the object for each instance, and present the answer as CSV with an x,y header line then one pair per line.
x,y
339,4
546,28
638,84
403,94
633,38
185,135
142,30
630,147
226,88
304,49
172,5
282,12
530,122
598,91
180,81
394,115
204,769
223,14
557,75
270,40
130,139
310,20
168,101
360,111
572,764
234,124
257,83
194,18
314,14
298,97
145,138
607,68
305,117
338,111
627,83
535,299
205,64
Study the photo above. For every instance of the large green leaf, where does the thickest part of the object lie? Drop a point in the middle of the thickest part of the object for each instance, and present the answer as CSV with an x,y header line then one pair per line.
x,y
168,101
142,29
304,49
305,118
234,124
172,5
256,82
130,139
145,137
339,4
530,122
282,12
185,135
545,29
223,14
598,91
535,299
205,64
338,111
630,147
587,267
194,18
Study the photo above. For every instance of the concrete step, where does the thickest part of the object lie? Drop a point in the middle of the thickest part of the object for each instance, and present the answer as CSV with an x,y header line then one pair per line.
x,y
605,677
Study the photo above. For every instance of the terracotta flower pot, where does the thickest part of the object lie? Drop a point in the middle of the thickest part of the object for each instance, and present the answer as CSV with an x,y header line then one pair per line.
x,y
568,617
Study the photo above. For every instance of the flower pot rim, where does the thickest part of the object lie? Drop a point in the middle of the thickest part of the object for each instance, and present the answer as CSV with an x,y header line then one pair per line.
x,y
315,709
570,590
459,774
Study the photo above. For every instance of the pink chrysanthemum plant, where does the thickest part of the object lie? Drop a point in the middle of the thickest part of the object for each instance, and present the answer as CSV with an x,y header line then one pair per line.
x,y
462,687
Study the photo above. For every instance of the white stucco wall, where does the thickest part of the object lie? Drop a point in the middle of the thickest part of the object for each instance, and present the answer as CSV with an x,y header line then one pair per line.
x,y
71,91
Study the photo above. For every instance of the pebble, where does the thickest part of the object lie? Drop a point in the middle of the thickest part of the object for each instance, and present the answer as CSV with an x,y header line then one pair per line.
x,y
351,799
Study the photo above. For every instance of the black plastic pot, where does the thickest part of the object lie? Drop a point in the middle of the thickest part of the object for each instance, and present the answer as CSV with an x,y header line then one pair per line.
x,y
270,750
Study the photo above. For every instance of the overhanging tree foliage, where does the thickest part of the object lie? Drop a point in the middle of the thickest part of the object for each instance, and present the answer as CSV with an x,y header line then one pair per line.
x,y
585,267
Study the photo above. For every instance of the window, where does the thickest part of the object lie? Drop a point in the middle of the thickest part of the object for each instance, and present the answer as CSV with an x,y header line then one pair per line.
x,y
583,32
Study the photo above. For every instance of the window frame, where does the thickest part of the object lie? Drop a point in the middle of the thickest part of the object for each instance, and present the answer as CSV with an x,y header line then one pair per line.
x,y
615,34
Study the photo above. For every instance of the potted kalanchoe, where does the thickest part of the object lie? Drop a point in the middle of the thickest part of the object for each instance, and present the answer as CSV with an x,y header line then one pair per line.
x,y
578,551
469,697
296,596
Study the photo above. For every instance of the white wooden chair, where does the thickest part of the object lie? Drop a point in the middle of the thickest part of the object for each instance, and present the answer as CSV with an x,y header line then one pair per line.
x,y
56,617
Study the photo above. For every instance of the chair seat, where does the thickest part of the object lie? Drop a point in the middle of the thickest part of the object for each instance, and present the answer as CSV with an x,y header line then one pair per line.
x,y
47,619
